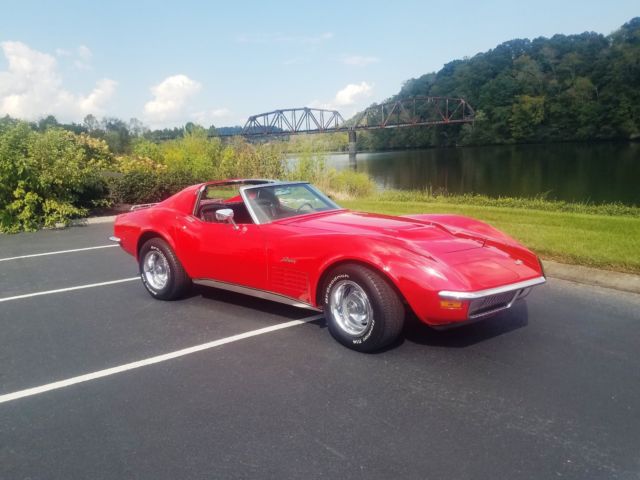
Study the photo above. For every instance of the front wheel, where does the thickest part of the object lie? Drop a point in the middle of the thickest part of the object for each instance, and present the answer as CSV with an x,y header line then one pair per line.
x,y
363,310
161,272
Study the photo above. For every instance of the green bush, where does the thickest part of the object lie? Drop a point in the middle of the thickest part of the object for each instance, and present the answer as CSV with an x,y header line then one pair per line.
x,y
140,186
308,167
342,184
49,177
154,172
349,184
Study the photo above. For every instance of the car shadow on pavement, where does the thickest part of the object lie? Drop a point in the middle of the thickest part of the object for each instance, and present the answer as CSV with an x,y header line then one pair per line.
x,y
414,331
253,303
459,337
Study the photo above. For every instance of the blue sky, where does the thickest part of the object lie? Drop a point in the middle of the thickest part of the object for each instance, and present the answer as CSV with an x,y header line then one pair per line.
x,y
167,63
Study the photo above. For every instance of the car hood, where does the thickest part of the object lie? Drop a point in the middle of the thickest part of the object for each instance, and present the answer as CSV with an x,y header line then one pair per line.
x,y
422,236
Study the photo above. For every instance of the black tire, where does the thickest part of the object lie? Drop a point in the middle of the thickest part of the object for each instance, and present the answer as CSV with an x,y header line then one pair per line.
x,y
177,281
386,309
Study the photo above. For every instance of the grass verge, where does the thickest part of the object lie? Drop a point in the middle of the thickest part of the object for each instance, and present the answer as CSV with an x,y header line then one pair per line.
x,y
609,242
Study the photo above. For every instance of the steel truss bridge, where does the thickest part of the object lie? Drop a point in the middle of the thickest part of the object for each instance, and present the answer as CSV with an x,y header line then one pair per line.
x,y
409,112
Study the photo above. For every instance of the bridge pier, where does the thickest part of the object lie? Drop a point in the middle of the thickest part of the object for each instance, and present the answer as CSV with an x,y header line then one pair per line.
x,y
352,144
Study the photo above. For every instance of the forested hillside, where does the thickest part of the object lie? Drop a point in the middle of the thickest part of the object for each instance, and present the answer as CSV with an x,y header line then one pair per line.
x,y
566,88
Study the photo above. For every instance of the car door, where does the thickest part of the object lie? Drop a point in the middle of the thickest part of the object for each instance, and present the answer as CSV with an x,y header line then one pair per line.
x,y
227,254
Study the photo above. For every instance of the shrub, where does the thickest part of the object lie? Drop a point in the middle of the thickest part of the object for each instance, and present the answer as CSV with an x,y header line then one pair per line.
x,y
339,184
49,177
194,153
155,172
142,180
350,184
309,167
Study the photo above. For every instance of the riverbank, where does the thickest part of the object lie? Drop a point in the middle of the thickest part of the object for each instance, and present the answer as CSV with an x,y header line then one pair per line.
x,y
587,172
610,242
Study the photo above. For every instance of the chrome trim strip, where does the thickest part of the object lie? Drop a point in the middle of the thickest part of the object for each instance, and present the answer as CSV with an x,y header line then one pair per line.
x,y
254,292
490,312
141,206
253,215
497,309
491,291
115,239
196,205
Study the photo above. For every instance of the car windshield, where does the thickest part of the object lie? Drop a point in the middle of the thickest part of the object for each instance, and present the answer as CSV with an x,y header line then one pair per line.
x,y
275,202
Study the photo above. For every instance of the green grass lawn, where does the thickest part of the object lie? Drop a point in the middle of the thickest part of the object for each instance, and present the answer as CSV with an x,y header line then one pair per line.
x,y
609,242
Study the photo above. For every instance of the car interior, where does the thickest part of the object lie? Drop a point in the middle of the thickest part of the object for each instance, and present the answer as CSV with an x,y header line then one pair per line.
x,y
267,203
207,211
223,196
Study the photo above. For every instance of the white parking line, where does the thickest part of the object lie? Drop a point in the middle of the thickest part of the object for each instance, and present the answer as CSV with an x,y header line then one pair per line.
x,y
150,361
68,289
57,252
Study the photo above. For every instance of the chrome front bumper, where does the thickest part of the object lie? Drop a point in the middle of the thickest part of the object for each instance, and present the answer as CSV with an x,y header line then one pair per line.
x,y
487,302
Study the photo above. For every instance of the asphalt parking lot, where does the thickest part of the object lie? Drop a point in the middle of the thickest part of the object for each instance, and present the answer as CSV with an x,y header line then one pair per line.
x,y
549,389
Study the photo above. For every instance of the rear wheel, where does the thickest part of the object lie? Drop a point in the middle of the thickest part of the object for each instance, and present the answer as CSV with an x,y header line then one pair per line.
x,y
363,310
162,273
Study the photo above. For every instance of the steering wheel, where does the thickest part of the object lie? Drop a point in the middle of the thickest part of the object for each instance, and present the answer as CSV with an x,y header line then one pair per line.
x,y
305,204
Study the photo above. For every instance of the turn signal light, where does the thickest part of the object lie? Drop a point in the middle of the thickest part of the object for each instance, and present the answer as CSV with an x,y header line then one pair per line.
x,y
450,304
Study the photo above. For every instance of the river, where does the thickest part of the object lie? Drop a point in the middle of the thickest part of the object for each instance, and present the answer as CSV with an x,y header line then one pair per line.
x,y
604,172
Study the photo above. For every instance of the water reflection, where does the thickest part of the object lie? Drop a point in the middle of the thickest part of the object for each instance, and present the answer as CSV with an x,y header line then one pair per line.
x,y
573,172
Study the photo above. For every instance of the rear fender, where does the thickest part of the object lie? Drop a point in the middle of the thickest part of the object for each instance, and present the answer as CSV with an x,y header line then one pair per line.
x,y
149,234
135,228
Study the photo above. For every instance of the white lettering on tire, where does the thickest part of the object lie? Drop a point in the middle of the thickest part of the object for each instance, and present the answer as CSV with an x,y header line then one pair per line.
x,y
328,289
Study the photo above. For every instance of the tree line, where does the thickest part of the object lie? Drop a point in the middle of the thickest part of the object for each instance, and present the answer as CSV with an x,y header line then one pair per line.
x,y
582,87
119,135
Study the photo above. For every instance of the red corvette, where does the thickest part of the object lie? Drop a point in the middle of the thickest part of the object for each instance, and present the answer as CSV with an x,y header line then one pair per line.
x,y
288,242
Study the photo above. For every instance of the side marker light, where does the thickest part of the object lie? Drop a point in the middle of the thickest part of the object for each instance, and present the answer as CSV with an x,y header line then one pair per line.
x,y
451,304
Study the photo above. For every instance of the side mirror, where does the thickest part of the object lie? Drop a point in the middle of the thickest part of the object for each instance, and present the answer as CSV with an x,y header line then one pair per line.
x,y
225,215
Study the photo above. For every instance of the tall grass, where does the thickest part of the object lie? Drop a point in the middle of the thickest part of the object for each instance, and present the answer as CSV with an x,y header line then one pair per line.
x,y
344,184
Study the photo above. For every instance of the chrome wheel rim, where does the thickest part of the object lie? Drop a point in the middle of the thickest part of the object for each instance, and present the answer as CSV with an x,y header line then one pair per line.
x,y
350,307
156,269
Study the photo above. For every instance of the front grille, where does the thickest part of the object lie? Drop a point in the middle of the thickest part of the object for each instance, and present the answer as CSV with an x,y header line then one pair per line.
x,y
491,304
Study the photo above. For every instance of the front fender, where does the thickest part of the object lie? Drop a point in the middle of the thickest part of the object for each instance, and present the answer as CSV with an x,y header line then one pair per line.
x,y
417,278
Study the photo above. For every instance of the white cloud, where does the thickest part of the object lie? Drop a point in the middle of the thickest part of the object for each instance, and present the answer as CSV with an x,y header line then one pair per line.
x,y
84,53
359,60
83,60
81,56
353,93
32,87
212,117
170,99
325,36
98,96
62,52
347,99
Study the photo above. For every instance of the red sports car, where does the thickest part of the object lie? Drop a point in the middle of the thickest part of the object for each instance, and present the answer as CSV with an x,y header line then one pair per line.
x,y
288,242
